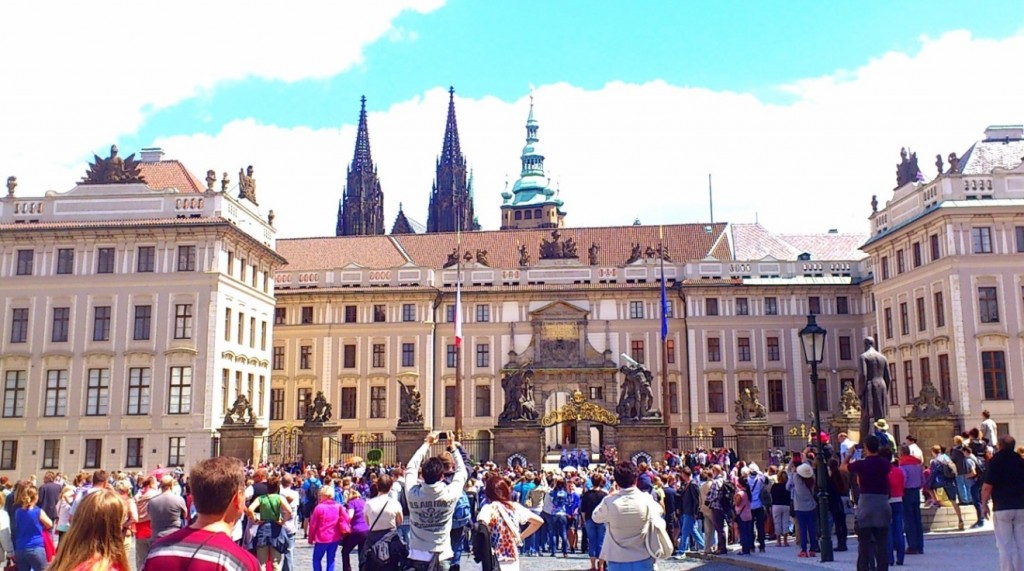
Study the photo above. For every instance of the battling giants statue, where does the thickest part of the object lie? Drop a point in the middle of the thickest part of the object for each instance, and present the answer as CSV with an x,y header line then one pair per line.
x,y
874,388
410,405
636,396
519,404
240,412
320,411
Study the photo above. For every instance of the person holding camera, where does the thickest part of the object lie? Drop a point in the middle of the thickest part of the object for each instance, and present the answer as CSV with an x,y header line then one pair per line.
x,y
432,506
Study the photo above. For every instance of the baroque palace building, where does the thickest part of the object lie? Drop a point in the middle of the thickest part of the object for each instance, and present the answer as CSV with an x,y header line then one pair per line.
x,y
189,303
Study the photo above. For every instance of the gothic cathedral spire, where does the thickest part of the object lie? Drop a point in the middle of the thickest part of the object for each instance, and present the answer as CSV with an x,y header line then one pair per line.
x,y
361,211
451,199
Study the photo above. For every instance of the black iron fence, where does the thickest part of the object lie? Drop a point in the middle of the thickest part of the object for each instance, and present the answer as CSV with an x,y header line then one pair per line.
x,y
384,451
691,443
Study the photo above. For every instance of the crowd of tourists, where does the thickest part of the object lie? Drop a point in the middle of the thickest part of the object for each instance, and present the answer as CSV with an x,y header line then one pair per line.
x,y
442,513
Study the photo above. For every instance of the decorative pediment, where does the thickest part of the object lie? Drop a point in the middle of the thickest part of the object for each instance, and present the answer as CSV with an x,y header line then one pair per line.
x,y
348,378
183,350
992,338
559,310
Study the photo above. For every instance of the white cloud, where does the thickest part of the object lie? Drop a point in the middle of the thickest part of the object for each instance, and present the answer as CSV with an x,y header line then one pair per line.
x,y
92,72
646,150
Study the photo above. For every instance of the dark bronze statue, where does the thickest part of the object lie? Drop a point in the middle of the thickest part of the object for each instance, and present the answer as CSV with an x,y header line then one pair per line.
x,y
247,185
453,258
113,170
907,169
636,396
594,249
635,254
524,256
270,217
938,164
240,412
954,163
518,389
874,389
320,411
12,183
874,203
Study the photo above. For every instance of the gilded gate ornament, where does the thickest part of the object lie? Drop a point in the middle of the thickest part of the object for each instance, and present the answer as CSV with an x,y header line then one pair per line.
x,y
579,408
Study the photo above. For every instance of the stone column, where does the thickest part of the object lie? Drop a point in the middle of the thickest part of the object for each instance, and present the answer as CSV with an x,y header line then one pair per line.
x,y
646,437
526,439
408,439
850,424
239,441
932,431
753,440
312,440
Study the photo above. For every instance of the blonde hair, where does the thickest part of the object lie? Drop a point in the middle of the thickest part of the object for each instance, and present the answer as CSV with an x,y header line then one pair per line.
x,y
98,537
29,495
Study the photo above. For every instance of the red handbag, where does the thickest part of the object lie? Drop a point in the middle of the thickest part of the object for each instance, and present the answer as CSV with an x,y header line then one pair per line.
x,y
48,545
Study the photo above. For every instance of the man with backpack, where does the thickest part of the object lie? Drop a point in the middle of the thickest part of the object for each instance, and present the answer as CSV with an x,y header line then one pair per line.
x,y
719,500
975,475
944,476
432,507
310,497
758,495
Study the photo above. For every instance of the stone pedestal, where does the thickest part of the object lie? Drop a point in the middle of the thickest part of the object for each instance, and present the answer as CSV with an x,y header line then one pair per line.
x,y
753,441
239,441
526,440
844,423
312,440
932,430
648,438
408,439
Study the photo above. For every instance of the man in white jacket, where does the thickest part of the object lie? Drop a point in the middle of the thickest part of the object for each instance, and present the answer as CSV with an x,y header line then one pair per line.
x,y
624,513
431,506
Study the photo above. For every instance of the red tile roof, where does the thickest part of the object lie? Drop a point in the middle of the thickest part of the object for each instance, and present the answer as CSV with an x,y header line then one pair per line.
x,y
684,242
84,224
170,174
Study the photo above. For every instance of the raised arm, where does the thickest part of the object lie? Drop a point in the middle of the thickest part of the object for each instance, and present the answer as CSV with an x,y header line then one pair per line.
x,y
412,470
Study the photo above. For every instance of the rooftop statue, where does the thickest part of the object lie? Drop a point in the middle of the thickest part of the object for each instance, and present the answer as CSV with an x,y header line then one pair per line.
x,y
594,249
211,179
247,185
113,170
907,169
556,249
240,412
12,183
524,256
635,254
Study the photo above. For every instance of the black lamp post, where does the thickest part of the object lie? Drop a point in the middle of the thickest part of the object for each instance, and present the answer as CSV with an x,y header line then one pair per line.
x,y
812,339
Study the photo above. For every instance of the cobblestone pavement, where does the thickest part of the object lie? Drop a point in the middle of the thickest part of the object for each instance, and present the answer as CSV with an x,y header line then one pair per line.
x,y
304,555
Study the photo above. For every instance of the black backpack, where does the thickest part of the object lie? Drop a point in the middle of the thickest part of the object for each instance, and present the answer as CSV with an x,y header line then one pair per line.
x,y
483,552
725,497
386,554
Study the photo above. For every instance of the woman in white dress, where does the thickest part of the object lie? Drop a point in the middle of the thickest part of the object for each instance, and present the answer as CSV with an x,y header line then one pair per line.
x,y
505,518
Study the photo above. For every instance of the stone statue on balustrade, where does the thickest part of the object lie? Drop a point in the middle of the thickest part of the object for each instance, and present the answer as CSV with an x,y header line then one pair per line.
x,y
849,402
929,404
320,411
518,389
240,412
874,388
636,395
749,407
410,405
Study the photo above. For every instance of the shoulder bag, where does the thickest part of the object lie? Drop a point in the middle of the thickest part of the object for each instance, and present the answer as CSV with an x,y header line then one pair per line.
x,y
656,538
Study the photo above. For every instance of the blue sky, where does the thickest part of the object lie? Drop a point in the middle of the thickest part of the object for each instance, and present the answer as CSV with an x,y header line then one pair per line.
x,y
798,108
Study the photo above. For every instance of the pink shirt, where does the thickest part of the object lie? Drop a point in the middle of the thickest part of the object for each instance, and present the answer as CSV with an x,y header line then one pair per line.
x,y
323,524
742,506
896,483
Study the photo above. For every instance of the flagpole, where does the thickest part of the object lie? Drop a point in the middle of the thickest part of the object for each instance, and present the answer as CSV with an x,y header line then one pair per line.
x,y
664,331
458,322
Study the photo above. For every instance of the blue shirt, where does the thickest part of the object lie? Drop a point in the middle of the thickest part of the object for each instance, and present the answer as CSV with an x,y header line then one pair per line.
x,y
28,529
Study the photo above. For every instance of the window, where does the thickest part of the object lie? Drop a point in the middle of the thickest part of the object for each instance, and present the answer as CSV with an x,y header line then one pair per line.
x,y
774,353
673,397
981,240
61,323
945,384
904,319
303,400
176,451
843,305
278,358
636,350
908,380
408,354
139,381
276,404
51,454
146,260
350,314
93,453
636,310
742,306
230,263
8,454
14,394
1019,242
305,357
263,336
483,313
596,393
378,402
25,262
922,323
814,305
451,353
933,245
56,403
888,323
449,401
180,399
408,312
714,349
378,355
988,305
483,400
101,323
186,258
348,402
711,306
380,313
183,321
307,314
885,267
993,372
743,349
97,394
280,314
776,398
350,357
143,319
716,396
105,261
743,385
894,393
916,254
133,454
483,355
670,351
771,306
940,310
926,371
65,261
241,327
845,348
449,312
900,267
225,389
19,325
822,393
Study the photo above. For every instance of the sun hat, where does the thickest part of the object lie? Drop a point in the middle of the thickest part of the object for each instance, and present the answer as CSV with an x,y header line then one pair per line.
x,y
804,471
881,424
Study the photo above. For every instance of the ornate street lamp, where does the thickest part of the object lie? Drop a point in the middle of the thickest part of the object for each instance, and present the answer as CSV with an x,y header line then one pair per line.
x,y
812,339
